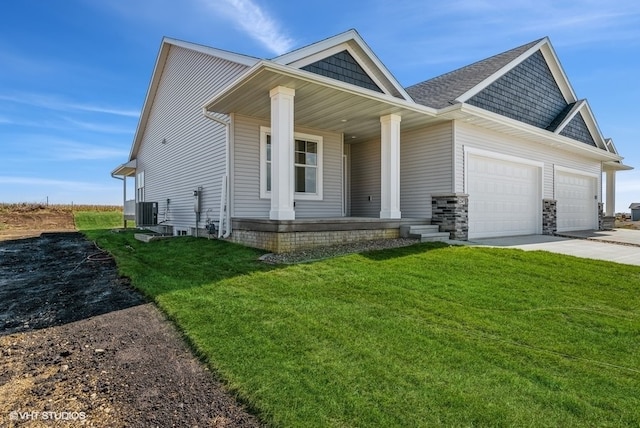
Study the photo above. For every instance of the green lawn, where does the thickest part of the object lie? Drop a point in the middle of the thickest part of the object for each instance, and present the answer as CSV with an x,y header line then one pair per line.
x,y
427,335
91,220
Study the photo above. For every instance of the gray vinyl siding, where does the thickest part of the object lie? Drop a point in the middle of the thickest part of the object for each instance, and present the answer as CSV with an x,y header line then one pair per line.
x,y
471,136
425,159
193,154
246,173
246,200
365,161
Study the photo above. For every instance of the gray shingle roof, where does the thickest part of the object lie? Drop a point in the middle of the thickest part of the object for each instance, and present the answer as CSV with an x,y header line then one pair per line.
x,y
441,91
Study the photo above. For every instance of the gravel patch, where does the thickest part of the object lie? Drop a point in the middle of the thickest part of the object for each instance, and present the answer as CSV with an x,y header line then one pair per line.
x,y
321,253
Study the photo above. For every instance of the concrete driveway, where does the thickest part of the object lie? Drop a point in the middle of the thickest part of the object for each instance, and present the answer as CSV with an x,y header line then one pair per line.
x,y
618,245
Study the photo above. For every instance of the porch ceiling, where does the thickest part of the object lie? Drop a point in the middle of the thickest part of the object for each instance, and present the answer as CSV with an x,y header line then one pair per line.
x,y
319,103
126,169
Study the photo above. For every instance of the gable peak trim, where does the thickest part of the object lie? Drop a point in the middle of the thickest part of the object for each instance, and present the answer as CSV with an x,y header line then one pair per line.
x,y
569,117
349,40
208,50
503,70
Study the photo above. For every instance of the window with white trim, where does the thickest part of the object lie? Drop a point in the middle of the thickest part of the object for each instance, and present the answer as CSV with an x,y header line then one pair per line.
x,y
140,187
307,165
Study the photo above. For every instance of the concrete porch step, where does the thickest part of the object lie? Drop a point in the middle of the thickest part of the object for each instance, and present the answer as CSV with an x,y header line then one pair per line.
x,y
424,228
424,232
434,237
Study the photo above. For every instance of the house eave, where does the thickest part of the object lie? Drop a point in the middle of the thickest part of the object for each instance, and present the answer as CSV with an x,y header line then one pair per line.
x,y
320,102
615,166
496,122
158,68
125,170
348,37
544,45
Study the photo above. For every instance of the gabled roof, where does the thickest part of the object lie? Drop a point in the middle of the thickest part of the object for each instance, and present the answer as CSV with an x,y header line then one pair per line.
x,y
443,91
462,85
352,42
157,74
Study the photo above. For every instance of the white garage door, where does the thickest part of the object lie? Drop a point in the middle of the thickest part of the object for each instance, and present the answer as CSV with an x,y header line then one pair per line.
x,y
504,197
577,206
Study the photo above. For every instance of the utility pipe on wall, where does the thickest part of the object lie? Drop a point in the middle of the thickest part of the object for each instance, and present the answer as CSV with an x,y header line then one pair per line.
x,y
226,197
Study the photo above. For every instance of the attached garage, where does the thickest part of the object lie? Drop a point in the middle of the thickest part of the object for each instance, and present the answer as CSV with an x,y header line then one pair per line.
x,y
504,196
577,195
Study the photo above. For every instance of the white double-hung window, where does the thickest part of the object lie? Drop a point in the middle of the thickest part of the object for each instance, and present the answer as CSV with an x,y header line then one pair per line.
x,y
307,164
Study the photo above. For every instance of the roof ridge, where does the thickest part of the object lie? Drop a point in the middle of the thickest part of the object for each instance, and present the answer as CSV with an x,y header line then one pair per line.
x,y
442,90
524,47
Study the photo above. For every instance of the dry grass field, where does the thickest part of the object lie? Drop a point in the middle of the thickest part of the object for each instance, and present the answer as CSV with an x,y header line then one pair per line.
x,y
23,220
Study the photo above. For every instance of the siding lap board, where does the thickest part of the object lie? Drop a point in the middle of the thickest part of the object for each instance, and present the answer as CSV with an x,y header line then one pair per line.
x,y
426,168
246,173
365,179
470,136
194,153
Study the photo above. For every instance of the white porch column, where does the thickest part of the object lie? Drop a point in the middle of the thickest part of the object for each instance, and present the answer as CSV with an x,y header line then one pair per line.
x,y
610,205
282,154
390,166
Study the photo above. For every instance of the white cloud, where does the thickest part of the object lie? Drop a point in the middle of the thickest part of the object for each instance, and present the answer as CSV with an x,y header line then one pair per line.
x,y
50,182
53,103
44,147
256,21
78,151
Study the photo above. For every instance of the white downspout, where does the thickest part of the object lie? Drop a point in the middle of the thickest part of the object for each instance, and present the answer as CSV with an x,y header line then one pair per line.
x,y
227,172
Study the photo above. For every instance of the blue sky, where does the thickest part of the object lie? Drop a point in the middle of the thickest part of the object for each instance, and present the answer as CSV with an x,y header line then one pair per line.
x,y
74,73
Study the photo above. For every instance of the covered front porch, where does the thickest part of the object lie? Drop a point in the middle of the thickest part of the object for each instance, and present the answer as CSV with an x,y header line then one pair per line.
x,y
292,107
281,236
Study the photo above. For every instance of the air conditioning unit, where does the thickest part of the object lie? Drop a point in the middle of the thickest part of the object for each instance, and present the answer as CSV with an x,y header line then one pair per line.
x,y
146,214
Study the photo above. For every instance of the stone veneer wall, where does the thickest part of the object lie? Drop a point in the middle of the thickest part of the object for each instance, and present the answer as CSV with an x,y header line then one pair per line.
x,y
549,216
282,242
605,222
451,213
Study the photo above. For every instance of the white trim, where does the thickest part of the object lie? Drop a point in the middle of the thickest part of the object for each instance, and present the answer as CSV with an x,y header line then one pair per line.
x,y
594,129
208,50
307,77
156,76
574,171
554,64
298,196
554,140
544,46
574,111
501,156
348,36
337,49
501,72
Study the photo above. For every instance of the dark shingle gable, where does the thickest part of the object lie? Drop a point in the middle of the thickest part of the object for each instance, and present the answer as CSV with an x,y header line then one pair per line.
x,y
342,66
441,91
528,93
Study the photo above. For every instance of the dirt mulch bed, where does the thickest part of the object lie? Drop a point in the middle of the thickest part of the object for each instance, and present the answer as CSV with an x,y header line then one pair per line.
x,y
80,347
31,220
